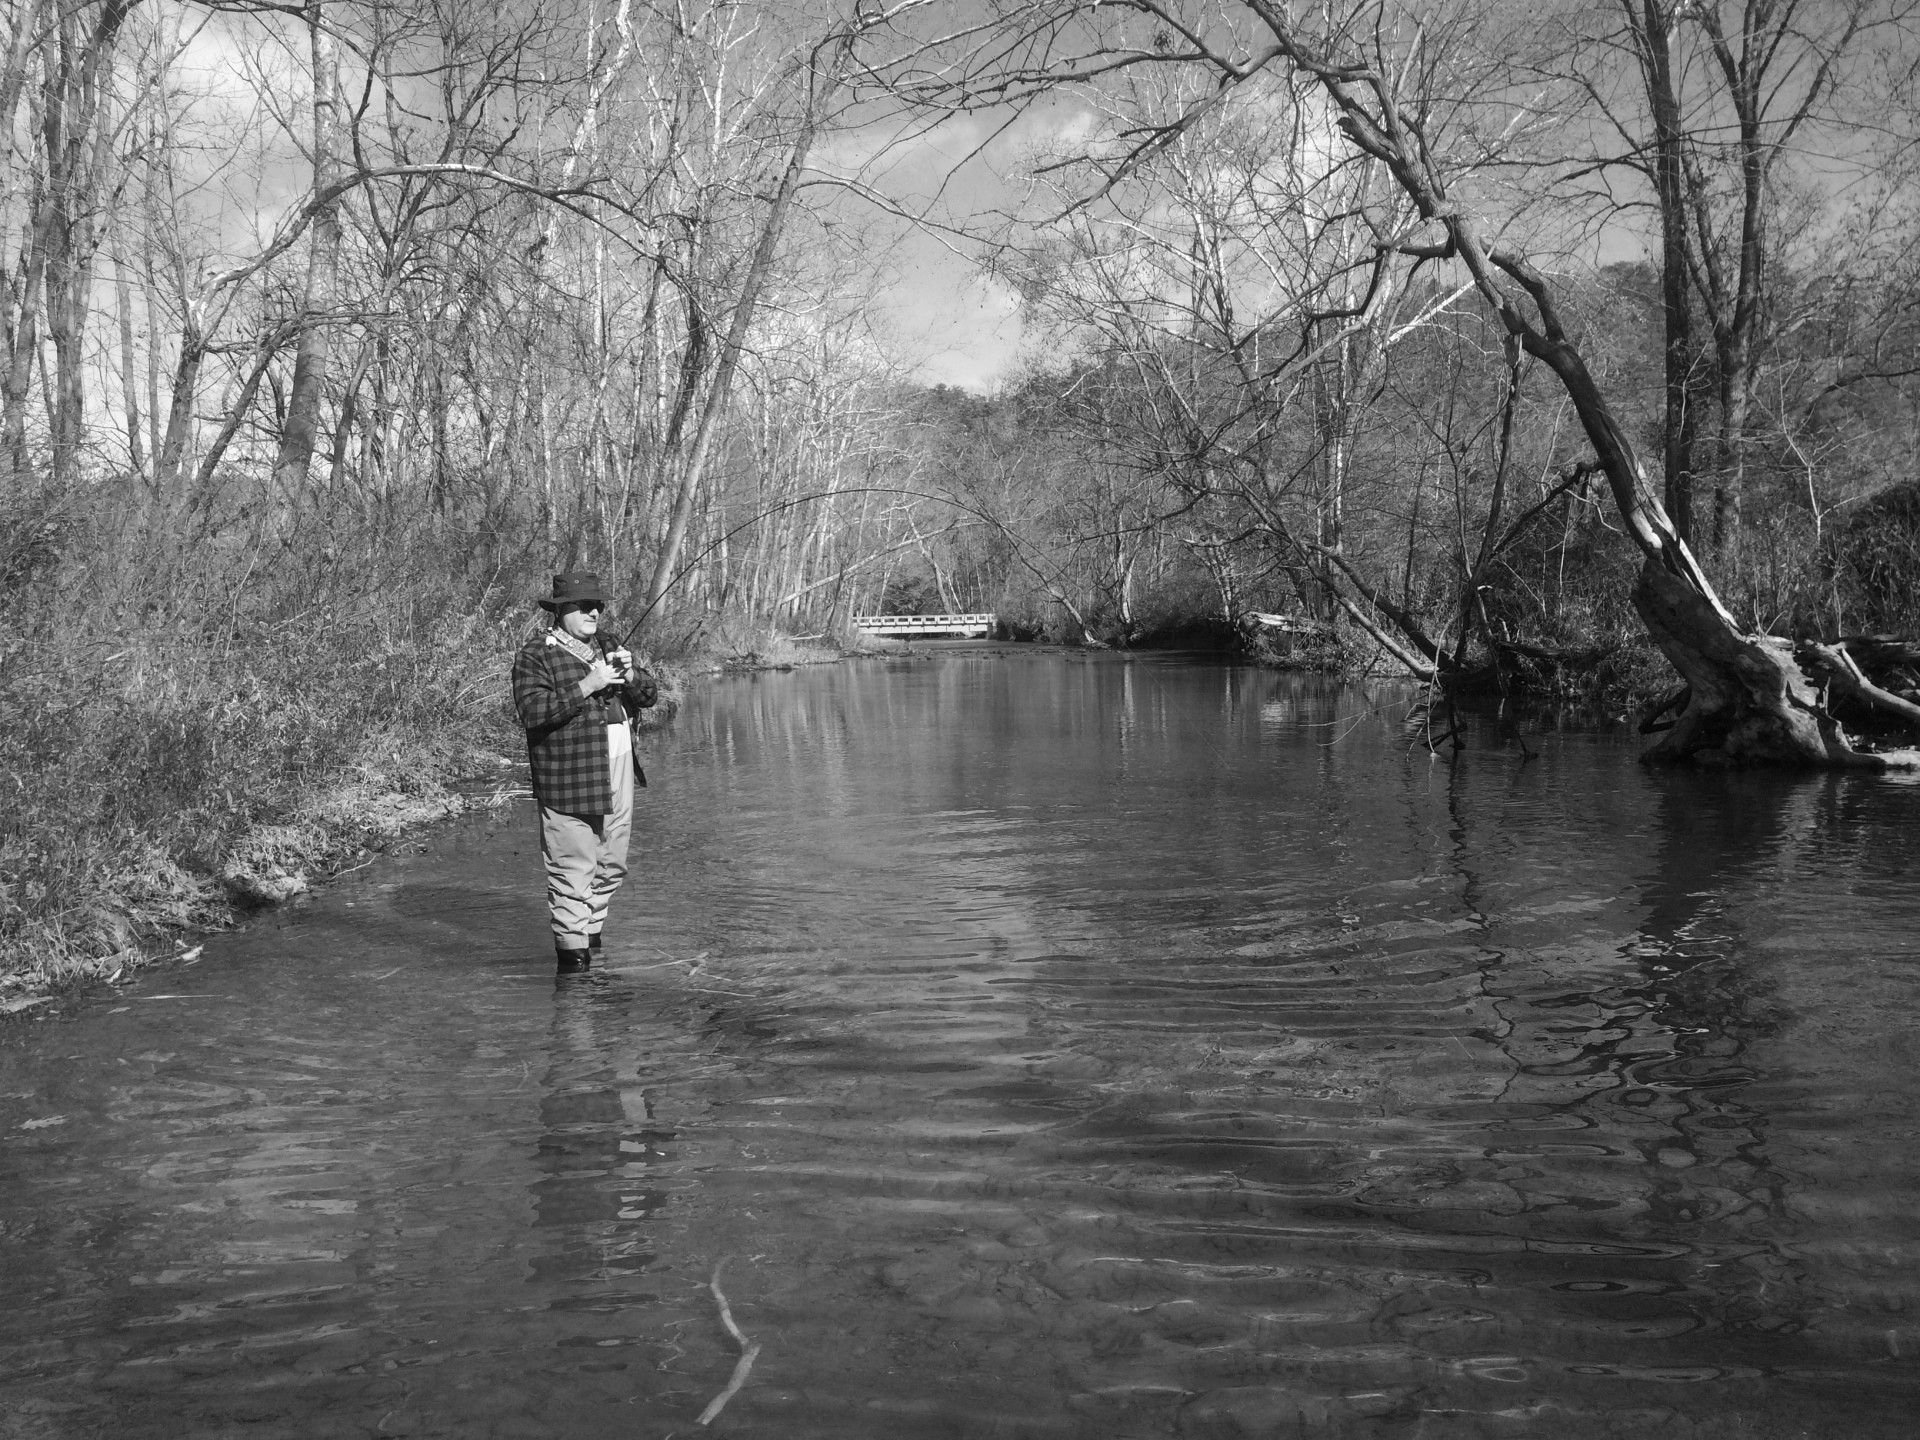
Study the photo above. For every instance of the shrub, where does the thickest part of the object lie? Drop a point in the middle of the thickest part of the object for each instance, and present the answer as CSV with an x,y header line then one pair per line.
x,y
189,730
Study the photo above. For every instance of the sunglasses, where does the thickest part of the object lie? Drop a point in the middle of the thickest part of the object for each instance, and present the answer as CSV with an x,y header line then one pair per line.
x,y
588,607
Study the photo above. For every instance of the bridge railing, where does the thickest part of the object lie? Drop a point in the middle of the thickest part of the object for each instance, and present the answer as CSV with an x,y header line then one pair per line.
x,y
973,624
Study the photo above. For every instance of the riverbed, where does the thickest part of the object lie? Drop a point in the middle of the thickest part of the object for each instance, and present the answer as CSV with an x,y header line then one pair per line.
x,y
1019,1045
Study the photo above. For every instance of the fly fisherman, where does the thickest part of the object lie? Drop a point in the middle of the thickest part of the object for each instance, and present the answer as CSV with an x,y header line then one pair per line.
x,y
577,700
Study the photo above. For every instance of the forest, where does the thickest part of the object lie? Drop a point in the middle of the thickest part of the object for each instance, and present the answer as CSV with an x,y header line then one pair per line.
x,y
1564,350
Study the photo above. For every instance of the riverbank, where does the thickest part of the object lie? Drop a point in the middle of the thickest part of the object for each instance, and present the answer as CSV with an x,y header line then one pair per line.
x,y
171,781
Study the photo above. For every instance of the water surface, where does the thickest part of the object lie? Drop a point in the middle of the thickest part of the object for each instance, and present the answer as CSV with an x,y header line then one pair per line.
x,y
1042,1046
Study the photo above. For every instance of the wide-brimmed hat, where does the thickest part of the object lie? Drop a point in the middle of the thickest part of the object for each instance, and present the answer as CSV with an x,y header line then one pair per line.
x,y
574,587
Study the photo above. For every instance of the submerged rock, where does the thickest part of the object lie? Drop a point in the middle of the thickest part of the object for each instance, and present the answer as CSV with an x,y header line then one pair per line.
x,y
259,889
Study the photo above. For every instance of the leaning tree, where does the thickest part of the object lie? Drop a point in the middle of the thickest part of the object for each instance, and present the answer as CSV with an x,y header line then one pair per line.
x,y
1423,90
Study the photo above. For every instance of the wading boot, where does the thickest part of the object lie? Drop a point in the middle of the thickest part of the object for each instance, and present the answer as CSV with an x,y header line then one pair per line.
x,y
593,943
568,962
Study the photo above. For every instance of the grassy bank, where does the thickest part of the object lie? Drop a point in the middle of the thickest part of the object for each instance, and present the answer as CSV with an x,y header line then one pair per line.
x,y
186,743
167,781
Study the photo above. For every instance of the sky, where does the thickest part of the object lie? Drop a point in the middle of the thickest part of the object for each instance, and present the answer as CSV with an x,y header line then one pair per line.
x,y
964,328
952,324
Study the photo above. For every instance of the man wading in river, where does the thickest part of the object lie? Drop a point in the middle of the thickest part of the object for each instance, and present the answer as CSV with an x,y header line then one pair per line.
x,y
577,700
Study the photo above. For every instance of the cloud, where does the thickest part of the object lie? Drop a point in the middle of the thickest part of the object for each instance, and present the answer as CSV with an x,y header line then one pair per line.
x,y
954,327
943,191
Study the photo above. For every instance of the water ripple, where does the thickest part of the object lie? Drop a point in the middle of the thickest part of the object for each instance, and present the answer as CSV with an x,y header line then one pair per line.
x,y
1054,1049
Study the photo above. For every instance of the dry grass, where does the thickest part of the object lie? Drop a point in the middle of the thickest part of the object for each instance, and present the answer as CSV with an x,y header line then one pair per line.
x,y
209,734
190,732
193,728
165,779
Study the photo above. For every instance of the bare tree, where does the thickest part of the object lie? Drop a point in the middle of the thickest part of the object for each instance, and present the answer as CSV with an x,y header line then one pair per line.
x,y
1430,95
53,277
299,434
1729,108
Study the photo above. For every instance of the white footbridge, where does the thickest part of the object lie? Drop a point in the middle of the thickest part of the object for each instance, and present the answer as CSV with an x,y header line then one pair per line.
x,y
903,627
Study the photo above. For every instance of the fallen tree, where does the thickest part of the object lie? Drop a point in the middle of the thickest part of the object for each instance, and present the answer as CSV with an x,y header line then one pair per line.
x,y
1752,698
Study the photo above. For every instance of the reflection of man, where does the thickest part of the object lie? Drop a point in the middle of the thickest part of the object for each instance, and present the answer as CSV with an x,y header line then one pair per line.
x,y
598,1196
577,700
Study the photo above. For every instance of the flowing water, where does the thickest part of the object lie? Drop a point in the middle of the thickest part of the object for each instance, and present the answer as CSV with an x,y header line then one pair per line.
x,y
1036,1045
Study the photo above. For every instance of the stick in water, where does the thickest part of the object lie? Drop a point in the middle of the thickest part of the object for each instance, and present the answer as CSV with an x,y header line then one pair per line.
x,y
749,1352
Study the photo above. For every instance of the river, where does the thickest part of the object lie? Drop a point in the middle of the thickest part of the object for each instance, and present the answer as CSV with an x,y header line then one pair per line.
x,y
1023,1044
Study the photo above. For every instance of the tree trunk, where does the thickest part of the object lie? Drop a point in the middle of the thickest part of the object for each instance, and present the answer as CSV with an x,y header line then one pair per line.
x,y
236,413
300,435
129,373
1750,703
19,288
349,417
1653,32
170,465
718,391
16,387
78,147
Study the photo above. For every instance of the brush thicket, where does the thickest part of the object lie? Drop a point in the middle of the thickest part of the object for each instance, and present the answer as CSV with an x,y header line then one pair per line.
x,y
192,729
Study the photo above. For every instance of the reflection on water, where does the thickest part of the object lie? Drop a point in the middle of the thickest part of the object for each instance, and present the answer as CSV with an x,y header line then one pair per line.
x,y
1050,1046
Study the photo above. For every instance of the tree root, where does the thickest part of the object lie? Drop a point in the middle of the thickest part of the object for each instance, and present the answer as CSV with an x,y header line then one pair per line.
x,y
1835,666
1650,717
1753,699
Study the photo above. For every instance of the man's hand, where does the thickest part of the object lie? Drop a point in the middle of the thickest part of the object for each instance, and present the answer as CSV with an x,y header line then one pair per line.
x,y
599,676
622,662
642,688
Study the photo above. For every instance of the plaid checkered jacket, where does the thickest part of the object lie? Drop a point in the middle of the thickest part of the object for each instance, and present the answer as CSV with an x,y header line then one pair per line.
x,y
566,731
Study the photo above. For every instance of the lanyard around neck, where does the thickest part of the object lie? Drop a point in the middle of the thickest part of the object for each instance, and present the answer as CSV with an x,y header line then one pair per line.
x,y
579,649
